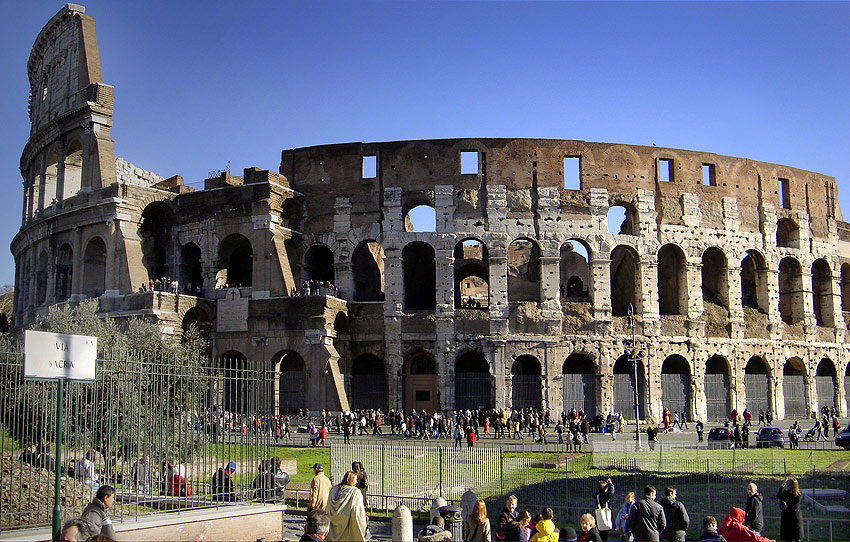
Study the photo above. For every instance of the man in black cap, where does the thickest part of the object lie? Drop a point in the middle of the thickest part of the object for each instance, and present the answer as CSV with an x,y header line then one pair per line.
x,y
320,487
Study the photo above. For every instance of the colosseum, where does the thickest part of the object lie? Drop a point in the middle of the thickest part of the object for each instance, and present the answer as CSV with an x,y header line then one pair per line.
x,y
723,283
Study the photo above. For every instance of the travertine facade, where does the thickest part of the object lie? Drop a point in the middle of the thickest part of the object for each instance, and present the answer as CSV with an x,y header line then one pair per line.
x,y
737,270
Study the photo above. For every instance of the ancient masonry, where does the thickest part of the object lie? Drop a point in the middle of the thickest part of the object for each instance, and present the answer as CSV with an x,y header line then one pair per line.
x,y
737,271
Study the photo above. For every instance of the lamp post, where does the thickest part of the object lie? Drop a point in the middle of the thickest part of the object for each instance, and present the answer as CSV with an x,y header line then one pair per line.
x,y
634,356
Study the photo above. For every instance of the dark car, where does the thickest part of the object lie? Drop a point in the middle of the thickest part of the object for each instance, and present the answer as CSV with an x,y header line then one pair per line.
x,y
843,438
719,437
770,437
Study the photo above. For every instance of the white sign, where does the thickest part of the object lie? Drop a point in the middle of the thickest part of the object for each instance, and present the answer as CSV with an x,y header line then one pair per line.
x,y
50,356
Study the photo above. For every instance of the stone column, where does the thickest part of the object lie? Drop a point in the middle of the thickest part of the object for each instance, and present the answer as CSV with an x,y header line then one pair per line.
x,y
778,385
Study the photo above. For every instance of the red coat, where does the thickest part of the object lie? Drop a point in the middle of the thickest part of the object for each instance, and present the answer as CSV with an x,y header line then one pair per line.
x,y
470,437
178,486
733,528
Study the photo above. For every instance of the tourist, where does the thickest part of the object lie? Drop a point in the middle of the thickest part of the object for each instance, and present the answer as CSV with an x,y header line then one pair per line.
x,y
646,520
622,521
84,470
733,528
320,487
567,534
435,531
753,512
676,516
347,511
95,514
791,518
177,485
588,529
316,527
476,526
545,527
221,484
76,530
603,494
140,474
362,482
517,530
709,530
700,430
506,517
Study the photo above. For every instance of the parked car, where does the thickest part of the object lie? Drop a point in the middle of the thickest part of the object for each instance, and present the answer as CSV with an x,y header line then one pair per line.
x,y
843,438
719,437
770,437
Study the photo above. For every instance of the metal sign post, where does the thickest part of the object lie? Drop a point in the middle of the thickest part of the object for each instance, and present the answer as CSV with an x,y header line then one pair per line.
x,y
53,356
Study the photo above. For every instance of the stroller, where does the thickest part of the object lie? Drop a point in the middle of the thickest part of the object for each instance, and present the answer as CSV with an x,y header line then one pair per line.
x,y
810,435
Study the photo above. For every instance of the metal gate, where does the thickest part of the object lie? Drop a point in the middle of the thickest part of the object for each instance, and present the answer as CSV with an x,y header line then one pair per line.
x,y
717,396
758,392
624,396
474,390
368,391
675,391
579,391
526,391
794,390
826,391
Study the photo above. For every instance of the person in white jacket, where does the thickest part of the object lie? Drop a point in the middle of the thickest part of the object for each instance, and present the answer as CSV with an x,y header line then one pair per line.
x,y
348,513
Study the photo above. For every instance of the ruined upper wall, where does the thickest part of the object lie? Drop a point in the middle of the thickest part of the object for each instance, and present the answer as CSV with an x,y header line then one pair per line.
x,y
324,172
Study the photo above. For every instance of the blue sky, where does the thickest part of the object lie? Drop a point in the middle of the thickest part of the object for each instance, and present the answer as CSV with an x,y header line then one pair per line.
x,y
198,84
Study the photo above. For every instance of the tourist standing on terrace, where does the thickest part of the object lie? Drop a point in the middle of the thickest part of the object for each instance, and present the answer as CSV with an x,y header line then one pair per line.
x,y
791,518
604,492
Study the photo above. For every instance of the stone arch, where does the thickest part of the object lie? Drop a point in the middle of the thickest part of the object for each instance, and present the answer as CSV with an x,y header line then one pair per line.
x,y
826,382
420,218
233,372
526,383
523,271
473,382
574,270
368,388
420,382
156,230
50,181
41,278
191,269
471,274
622,219
64,272
791,304
715,277
757,384
676,385
319,264
291,371
72,179
822,293
198,317
718,396
420,276
579,384
367,262
94,267
795,388
235,262
625,280
787,233
754,286
672,281
624,387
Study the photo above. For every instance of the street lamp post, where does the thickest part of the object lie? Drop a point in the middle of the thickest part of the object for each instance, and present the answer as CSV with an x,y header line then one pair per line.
x,y
635,356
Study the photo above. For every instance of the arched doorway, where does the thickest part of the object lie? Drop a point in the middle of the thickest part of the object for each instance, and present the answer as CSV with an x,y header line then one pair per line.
x,y
235,262
574,270
523,271
420,276
292,382
790,291
715,280
794,388
625,280
473,382
64,272
672,281
319,264
822,293
718,402
526,383
368,388
579,384
754,290
471,275
201,320
94,268
155,233
825,383
757,385
624,388
676,385
420,383
367,263
191,270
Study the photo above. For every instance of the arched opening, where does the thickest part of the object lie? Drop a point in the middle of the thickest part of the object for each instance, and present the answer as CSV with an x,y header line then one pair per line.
x,y
715,280
420,276
471,275
624,280
790,291
51,181
574,271
794,388
672,281
676,385
473,382
94,268
624,387
826,382
579,384
292,382
422,218
201,320
64,272
319,264
822,293
420,383
757,385
72,179
526,383
191,269
41,279
155,231
523,271
368,383
754,292
787,233
718,400
291,213
235,262
233,366
622,219
367,263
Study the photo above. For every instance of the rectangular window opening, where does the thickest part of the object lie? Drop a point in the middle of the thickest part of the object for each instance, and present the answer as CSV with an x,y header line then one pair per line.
x,y
665,170
468,162
423,395
784,193
572,173
708,175
370,166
